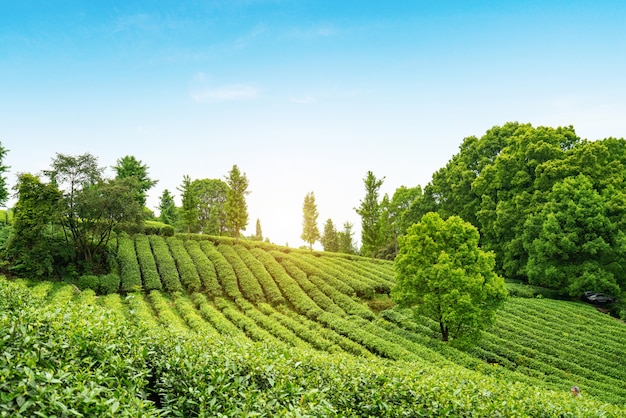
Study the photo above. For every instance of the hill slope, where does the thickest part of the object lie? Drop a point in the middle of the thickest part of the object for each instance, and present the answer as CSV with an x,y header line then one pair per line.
x,y
264,319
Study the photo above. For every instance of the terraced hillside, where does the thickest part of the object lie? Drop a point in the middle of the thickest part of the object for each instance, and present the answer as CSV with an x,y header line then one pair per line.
x,y
294,332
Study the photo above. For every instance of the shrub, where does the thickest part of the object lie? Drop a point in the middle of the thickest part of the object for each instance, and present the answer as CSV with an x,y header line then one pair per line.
x,y
88,281
109,283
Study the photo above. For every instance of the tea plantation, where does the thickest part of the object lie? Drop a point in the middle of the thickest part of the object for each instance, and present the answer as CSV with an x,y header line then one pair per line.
x,y
200,326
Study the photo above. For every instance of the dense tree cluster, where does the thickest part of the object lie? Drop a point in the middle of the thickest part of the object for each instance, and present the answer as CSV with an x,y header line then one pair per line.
x,y
549,204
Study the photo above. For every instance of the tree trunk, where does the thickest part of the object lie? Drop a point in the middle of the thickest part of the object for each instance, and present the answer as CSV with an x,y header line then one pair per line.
x,y
444,332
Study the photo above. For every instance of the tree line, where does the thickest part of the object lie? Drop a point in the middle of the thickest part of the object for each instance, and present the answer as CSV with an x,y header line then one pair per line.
x,y
62,227
550,205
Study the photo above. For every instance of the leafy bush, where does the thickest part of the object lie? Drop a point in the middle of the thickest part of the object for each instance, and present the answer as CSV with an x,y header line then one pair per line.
x,y
89,282
186,267
109,283
206,271
149,272
165,264
129,266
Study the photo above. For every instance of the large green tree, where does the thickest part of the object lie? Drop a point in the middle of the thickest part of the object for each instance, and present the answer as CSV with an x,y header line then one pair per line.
x,y
572,243
443,273
211,196
310,231
91,206
130,167
236,206
370,212
30,249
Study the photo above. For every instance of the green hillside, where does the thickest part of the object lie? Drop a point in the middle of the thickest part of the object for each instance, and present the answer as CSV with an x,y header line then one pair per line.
x,y
206,326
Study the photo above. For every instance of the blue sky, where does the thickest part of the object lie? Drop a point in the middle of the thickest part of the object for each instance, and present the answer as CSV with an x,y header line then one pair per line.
x,y
301,95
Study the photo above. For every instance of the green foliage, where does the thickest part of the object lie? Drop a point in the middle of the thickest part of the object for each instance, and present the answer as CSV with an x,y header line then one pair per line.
x,y
270,289
248,284
310,232
370,211
91,207
206,271
236,207
168,213
158,228
571,242
130,272
330,238
346,240
442,271
70,360
4,192
211,196
29,250
87,281
147,264
189,210
129,167
186,268
109,283
225,272
165,264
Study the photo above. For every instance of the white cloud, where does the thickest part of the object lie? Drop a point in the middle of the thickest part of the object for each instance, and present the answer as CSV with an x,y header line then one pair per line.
x,y
203,91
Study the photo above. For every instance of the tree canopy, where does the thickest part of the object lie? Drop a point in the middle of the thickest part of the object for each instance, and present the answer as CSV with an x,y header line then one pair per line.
x,y
370,211
236,206
310,231
443,273
130,167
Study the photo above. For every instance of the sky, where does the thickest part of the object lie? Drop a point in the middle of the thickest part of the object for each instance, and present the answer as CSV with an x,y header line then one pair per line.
x,y
303,96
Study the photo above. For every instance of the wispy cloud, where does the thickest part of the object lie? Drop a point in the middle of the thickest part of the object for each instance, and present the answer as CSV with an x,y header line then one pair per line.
x,y
203,91
302,100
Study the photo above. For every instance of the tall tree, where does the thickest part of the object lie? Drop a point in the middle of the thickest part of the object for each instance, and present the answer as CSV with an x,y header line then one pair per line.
x,y
310,231
346,239
167,208
258,235
370,211
442,272
330,238
189,209
130,167
211,195
4,193
236,207
29,249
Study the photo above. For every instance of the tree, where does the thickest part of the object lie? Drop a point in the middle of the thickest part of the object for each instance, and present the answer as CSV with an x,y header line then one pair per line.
x,y
167,208
330,239
258,236
443,273
189,209
4,193
90,206
236,207
346,241
573,245
371,237
29,249
130,167
310,232
211,195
